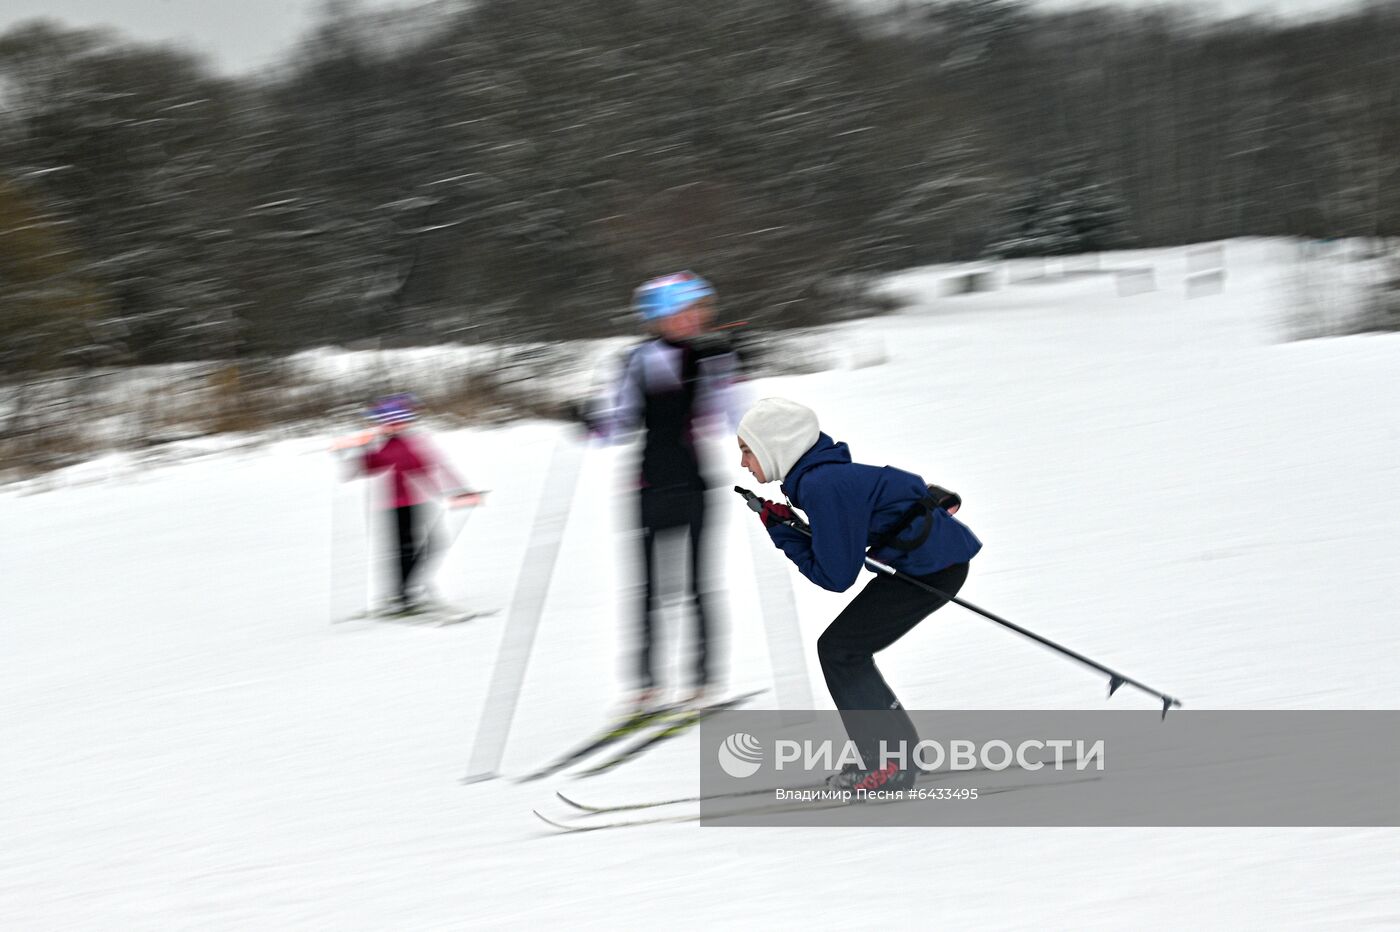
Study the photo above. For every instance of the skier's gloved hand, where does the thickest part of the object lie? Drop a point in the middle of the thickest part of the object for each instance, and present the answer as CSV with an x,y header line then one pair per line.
x,y
773,513
581,414
948,501
354,441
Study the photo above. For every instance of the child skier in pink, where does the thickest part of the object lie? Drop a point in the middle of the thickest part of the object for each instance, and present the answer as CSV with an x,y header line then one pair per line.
x,y
417,474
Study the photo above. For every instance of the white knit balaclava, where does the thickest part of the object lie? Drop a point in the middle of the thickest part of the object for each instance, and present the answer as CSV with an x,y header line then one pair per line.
x,y
778,432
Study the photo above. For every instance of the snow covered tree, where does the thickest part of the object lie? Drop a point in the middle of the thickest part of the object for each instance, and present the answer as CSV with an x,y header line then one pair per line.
x,y
1068,216
48,302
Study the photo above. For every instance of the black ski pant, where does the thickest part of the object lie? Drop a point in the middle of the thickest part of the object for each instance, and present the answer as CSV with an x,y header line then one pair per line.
x,y
668,514
884,611
405,519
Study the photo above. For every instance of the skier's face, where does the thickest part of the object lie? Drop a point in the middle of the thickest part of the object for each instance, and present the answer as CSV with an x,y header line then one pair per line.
x,y
689,322
750,462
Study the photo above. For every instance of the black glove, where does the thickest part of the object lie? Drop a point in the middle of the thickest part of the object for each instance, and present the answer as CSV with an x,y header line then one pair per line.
x,y
948,501
580,413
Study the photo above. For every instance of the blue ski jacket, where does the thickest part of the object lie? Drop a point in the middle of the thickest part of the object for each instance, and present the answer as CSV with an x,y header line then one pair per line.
x,y
849,506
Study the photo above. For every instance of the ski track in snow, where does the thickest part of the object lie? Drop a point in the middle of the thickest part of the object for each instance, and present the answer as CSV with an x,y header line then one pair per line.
x,y
1164,484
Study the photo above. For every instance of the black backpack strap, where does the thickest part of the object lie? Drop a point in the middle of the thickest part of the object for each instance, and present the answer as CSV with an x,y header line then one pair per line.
x,y
938,497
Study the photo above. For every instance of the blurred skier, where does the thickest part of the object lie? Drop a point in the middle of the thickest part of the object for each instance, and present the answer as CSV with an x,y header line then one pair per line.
x,y
850,507
684,375
418,473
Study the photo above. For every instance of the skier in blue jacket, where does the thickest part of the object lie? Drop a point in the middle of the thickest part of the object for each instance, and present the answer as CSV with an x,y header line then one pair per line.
x,y
855,510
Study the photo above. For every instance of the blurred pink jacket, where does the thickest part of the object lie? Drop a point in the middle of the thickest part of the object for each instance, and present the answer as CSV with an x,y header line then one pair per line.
x,y
416,468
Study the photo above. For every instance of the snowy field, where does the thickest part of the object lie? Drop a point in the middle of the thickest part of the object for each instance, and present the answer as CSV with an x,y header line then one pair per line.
x,y
1164,484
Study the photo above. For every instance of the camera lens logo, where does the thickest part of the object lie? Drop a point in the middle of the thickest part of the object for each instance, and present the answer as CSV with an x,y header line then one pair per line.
x,y
740,755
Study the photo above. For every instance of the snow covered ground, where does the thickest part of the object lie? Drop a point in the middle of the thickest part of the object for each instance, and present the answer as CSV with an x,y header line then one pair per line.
x,y
1162,483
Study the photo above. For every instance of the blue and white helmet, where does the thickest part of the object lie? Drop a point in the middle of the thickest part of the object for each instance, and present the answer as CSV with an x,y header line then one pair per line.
x,y
395,409
661,297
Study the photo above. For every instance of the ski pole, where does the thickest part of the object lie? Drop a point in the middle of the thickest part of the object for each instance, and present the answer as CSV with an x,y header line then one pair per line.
x,y
425,549
428,558
1115,679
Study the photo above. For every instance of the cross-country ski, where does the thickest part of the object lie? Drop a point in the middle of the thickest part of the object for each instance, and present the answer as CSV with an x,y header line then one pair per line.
x,y
669,726
569,800
580,823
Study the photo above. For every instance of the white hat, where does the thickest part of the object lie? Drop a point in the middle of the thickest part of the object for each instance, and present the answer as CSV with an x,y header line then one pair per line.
x,y
778,432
